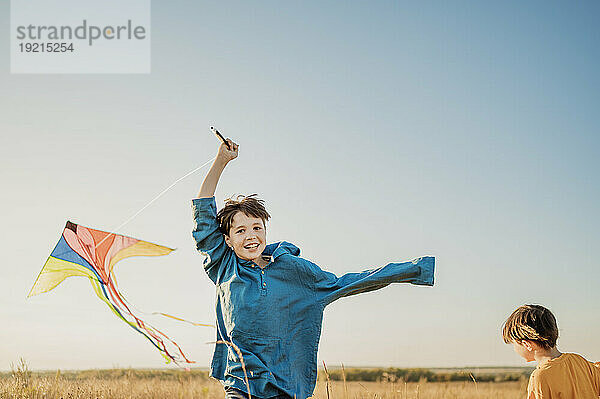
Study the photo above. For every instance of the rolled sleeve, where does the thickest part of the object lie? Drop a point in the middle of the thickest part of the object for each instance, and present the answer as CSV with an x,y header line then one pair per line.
x,y
427,266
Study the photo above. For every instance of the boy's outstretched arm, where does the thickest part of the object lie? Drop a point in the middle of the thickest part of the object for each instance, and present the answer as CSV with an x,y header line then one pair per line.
x,y
224,156
328,287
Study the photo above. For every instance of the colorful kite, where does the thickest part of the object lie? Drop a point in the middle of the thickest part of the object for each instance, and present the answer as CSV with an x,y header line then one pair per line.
x,y
82,251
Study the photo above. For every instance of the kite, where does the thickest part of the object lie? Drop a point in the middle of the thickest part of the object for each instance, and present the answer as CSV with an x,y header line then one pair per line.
x,y
90,253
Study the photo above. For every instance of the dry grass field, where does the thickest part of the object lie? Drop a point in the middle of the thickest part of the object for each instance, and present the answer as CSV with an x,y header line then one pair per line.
x,y
180,384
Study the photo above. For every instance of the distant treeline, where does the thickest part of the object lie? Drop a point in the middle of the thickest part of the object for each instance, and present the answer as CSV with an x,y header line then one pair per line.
x,y
351,374
117,374
416,375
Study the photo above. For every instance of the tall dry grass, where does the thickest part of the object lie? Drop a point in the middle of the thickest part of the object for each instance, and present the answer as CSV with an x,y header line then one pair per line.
x,y
422,390
148,384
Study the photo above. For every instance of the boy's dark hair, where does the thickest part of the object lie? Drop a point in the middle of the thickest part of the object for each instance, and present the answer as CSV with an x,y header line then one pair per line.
x,y
531,323
249,205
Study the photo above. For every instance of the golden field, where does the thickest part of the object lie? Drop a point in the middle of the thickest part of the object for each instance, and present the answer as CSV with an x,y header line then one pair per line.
x,y
181,384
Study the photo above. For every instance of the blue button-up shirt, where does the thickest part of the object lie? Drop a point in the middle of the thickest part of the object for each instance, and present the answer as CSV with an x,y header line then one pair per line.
x,y
274,315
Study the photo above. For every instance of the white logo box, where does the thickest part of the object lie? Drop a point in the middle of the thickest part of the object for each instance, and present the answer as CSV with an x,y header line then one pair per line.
x,y
80,36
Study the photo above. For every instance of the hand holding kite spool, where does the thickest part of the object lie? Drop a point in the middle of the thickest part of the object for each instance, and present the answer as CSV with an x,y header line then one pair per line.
x,y
228,151
215,131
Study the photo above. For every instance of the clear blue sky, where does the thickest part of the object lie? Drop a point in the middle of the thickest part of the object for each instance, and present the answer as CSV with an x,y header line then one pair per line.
x,y
376,132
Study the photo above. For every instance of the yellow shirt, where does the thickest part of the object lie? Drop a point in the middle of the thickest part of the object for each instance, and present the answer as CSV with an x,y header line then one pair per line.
x,y
569,376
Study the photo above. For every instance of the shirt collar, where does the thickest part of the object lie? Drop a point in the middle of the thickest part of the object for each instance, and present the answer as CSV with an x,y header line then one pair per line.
x,y
277,249
274,251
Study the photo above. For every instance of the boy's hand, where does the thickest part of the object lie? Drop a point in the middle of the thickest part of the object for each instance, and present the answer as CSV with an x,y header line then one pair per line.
x,y
227,154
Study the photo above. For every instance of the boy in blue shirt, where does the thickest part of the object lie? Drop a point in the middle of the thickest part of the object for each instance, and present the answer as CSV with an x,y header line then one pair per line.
x,y
270,301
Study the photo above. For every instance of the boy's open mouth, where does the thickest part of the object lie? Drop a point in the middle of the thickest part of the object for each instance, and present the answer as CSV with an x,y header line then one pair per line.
x,y
251,246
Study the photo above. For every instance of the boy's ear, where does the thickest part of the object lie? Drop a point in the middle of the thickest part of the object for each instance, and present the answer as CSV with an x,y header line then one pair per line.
x,y
528,345
227,240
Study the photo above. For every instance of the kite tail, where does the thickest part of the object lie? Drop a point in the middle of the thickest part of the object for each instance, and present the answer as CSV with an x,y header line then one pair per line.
x,y
157,336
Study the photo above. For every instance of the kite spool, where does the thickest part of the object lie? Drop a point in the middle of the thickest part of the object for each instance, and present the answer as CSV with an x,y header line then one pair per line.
x,y
215,131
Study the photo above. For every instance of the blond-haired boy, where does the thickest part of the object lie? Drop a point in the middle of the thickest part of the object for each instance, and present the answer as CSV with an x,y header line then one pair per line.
x,y
533,332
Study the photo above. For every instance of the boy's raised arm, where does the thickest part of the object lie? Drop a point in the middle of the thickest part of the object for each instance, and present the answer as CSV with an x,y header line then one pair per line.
x,y
206,233
224,156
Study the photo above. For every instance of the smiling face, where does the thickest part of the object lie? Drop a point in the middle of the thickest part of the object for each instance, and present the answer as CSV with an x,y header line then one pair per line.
x,y
247,236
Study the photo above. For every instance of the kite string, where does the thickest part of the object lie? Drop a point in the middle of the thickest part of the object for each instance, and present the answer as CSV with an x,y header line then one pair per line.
x,y
110,276
155,198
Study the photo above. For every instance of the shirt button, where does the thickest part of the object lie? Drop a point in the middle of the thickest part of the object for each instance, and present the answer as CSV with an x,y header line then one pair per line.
x,y
265,284
263,272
